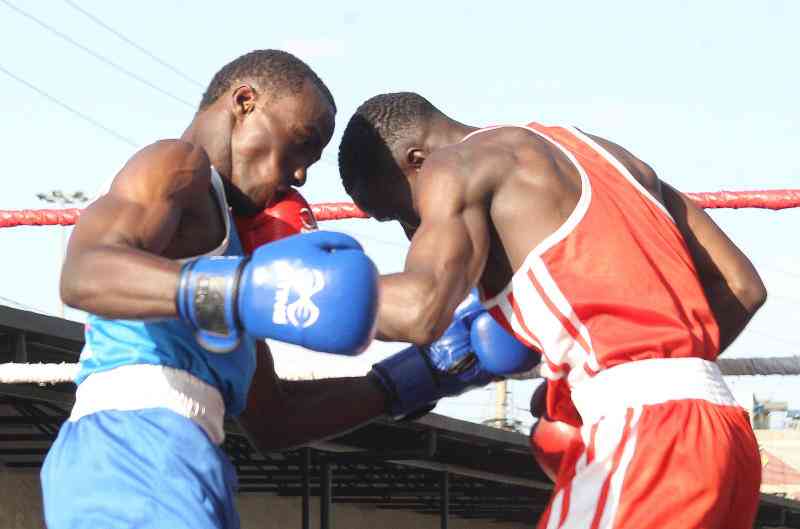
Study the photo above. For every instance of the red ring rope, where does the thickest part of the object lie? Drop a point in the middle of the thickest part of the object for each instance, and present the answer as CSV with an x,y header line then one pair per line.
x,y
763,199
767,199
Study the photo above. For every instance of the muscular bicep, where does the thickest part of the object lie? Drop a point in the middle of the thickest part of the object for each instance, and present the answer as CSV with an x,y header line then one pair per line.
x,y
143,207
115,265
447,255
118,220
450,246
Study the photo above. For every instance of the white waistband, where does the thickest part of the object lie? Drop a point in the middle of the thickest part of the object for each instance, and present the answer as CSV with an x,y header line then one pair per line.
x,y
652,381
142,386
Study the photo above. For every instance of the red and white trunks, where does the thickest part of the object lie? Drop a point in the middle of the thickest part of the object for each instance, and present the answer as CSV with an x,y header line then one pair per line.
x,y
664,446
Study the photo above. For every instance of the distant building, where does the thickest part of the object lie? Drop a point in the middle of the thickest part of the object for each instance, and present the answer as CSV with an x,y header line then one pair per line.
x,y
793,419
780,462
777,430
769,414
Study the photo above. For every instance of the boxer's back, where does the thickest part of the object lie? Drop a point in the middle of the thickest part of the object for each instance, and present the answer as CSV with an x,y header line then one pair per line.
x,y
604,277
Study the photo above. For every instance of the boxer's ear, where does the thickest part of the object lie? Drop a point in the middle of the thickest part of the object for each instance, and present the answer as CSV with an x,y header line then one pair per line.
x,y
415,157
244,100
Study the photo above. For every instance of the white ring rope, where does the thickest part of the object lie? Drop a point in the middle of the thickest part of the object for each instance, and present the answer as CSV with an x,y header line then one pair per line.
x,y
41,374
14,373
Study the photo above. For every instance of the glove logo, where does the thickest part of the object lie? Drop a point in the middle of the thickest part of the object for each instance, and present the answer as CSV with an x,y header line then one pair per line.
x,y
309,223
303,312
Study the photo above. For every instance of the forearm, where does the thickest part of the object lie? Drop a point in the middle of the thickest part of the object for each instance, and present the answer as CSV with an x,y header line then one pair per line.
x,y
121,282
396,315
411,309
314,410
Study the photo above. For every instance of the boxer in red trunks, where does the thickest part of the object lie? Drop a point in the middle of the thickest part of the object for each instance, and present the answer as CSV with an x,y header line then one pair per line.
x,y
627,289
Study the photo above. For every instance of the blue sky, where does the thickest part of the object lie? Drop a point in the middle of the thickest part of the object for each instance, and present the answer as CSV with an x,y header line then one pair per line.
x,y
706,92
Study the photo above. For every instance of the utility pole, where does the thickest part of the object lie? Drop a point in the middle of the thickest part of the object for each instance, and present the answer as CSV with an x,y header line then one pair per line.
x,y
502,418
501,404
62,199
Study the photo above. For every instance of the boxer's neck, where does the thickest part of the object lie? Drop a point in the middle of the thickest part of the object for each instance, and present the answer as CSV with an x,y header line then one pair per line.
x,y
439,132
211,130
444,131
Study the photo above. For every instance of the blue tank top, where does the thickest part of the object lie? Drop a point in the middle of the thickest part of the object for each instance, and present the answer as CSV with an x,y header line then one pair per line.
x,y
115,343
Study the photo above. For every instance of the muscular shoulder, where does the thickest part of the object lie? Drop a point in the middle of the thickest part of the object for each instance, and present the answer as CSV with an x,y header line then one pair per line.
x,y
639,169
508,141
482,156
477,168
507,150
167,169
455,175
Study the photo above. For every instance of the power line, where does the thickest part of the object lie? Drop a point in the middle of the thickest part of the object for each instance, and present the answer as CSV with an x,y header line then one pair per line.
x,y
65,106
122,37
96,55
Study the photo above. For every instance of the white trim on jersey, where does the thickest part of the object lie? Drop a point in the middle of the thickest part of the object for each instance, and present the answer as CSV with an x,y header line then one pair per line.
x,y
619,166
566,227
501,297
505,305
558,340
486,129
562,304
552,314
578,212
556,345
219,193
561,347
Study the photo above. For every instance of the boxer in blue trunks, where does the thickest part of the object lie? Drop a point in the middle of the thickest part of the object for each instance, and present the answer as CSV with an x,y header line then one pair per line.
x,y
178,315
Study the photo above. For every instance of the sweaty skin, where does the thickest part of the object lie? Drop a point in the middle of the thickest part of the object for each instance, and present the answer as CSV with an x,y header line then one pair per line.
x,y
477,207
121,260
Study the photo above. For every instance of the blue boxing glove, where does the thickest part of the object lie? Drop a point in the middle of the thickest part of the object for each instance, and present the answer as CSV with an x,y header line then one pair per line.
x,y
416,377
293,290
498,351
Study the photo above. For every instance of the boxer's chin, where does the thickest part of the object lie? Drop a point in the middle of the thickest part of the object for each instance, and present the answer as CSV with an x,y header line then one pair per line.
x,y
260,199
242,205
276,197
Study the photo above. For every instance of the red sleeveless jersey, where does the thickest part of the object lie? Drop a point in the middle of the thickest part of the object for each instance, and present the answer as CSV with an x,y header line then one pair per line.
x,y
615,283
